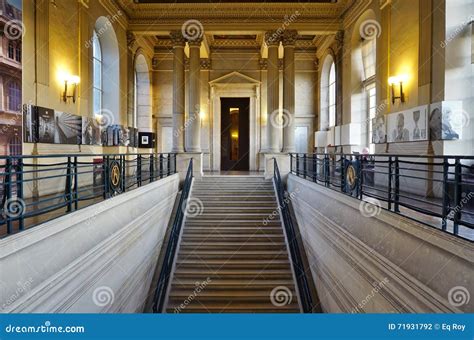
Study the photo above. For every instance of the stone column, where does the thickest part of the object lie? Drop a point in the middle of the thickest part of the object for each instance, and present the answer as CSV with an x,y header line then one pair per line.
x,y
288,118
178,90
193,129
272,39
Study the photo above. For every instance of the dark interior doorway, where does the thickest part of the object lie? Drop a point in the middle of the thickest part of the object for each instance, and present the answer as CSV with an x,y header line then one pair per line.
x,y
235,139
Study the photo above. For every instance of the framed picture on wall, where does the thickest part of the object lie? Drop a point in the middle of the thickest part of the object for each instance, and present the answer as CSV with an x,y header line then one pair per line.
x,y
90,132
68,129
46,125
379,130
408,126
146,140
446,120
30,123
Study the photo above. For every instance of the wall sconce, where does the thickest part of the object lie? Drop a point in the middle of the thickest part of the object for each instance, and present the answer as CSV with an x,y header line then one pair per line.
x,y
393,81
70,81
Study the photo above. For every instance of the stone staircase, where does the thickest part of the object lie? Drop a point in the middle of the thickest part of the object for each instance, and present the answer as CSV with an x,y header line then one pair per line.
x,y
232,255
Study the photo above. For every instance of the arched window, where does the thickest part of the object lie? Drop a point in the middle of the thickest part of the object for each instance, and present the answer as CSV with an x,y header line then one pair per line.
x,y
97,74
332,95
328,94
106,71
142,110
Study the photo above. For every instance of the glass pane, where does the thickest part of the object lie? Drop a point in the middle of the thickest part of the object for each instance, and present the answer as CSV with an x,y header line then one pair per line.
x,y
97,99
96,50
97,74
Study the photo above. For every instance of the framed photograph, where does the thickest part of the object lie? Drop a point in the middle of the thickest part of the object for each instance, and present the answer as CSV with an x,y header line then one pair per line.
x,y
68,128
125,136
146,140
46,125
379,130
90,132
446,120
408,126
30,123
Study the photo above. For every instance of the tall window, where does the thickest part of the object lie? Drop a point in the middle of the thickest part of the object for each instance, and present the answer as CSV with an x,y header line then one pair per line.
x,y
18,53
332,95
372,112
14,96
11,50
368,60
97,73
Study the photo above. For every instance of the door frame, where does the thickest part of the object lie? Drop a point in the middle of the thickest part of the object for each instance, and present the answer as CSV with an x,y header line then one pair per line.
x,y
246,87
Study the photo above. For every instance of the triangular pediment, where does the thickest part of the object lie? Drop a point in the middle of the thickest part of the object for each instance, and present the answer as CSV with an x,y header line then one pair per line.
x,y
234,78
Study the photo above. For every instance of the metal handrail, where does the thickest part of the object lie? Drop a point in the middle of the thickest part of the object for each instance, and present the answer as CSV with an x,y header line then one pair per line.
x,y
437,191
296,258
36,189
171,248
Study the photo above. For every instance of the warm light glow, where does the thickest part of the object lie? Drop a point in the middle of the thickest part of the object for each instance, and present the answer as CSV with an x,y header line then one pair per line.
x,y
398,79
73,79
69,78
235,135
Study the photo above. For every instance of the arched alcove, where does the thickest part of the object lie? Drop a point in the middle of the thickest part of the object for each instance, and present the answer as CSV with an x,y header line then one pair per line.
x,y
328,69
142,95
110,68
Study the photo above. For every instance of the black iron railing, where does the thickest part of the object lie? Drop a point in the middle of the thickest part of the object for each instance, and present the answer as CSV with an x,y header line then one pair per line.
x,y
296,259
35,189
434,190
171,248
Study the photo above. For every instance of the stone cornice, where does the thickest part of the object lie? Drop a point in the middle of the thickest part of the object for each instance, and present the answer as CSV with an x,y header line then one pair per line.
x,y
198,11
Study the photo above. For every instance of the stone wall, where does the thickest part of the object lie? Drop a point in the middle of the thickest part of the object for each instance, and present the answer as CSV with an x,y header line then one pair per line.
x,y
98,259
380,264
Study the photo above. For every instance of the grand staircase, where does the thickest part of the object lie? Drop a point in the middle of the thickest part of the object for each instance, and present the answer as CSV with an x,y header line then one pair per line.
x,y
232,256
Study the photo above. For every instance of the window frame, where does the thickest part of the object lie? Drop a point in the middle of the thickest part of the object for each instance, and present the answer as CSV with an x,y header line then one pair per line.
x,y
97,62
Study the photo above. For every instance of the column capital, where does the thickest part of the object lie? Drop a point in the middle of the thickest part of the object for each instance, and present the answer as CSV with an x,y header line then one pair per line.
x,y
177,38
272,38
195,42
289,38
